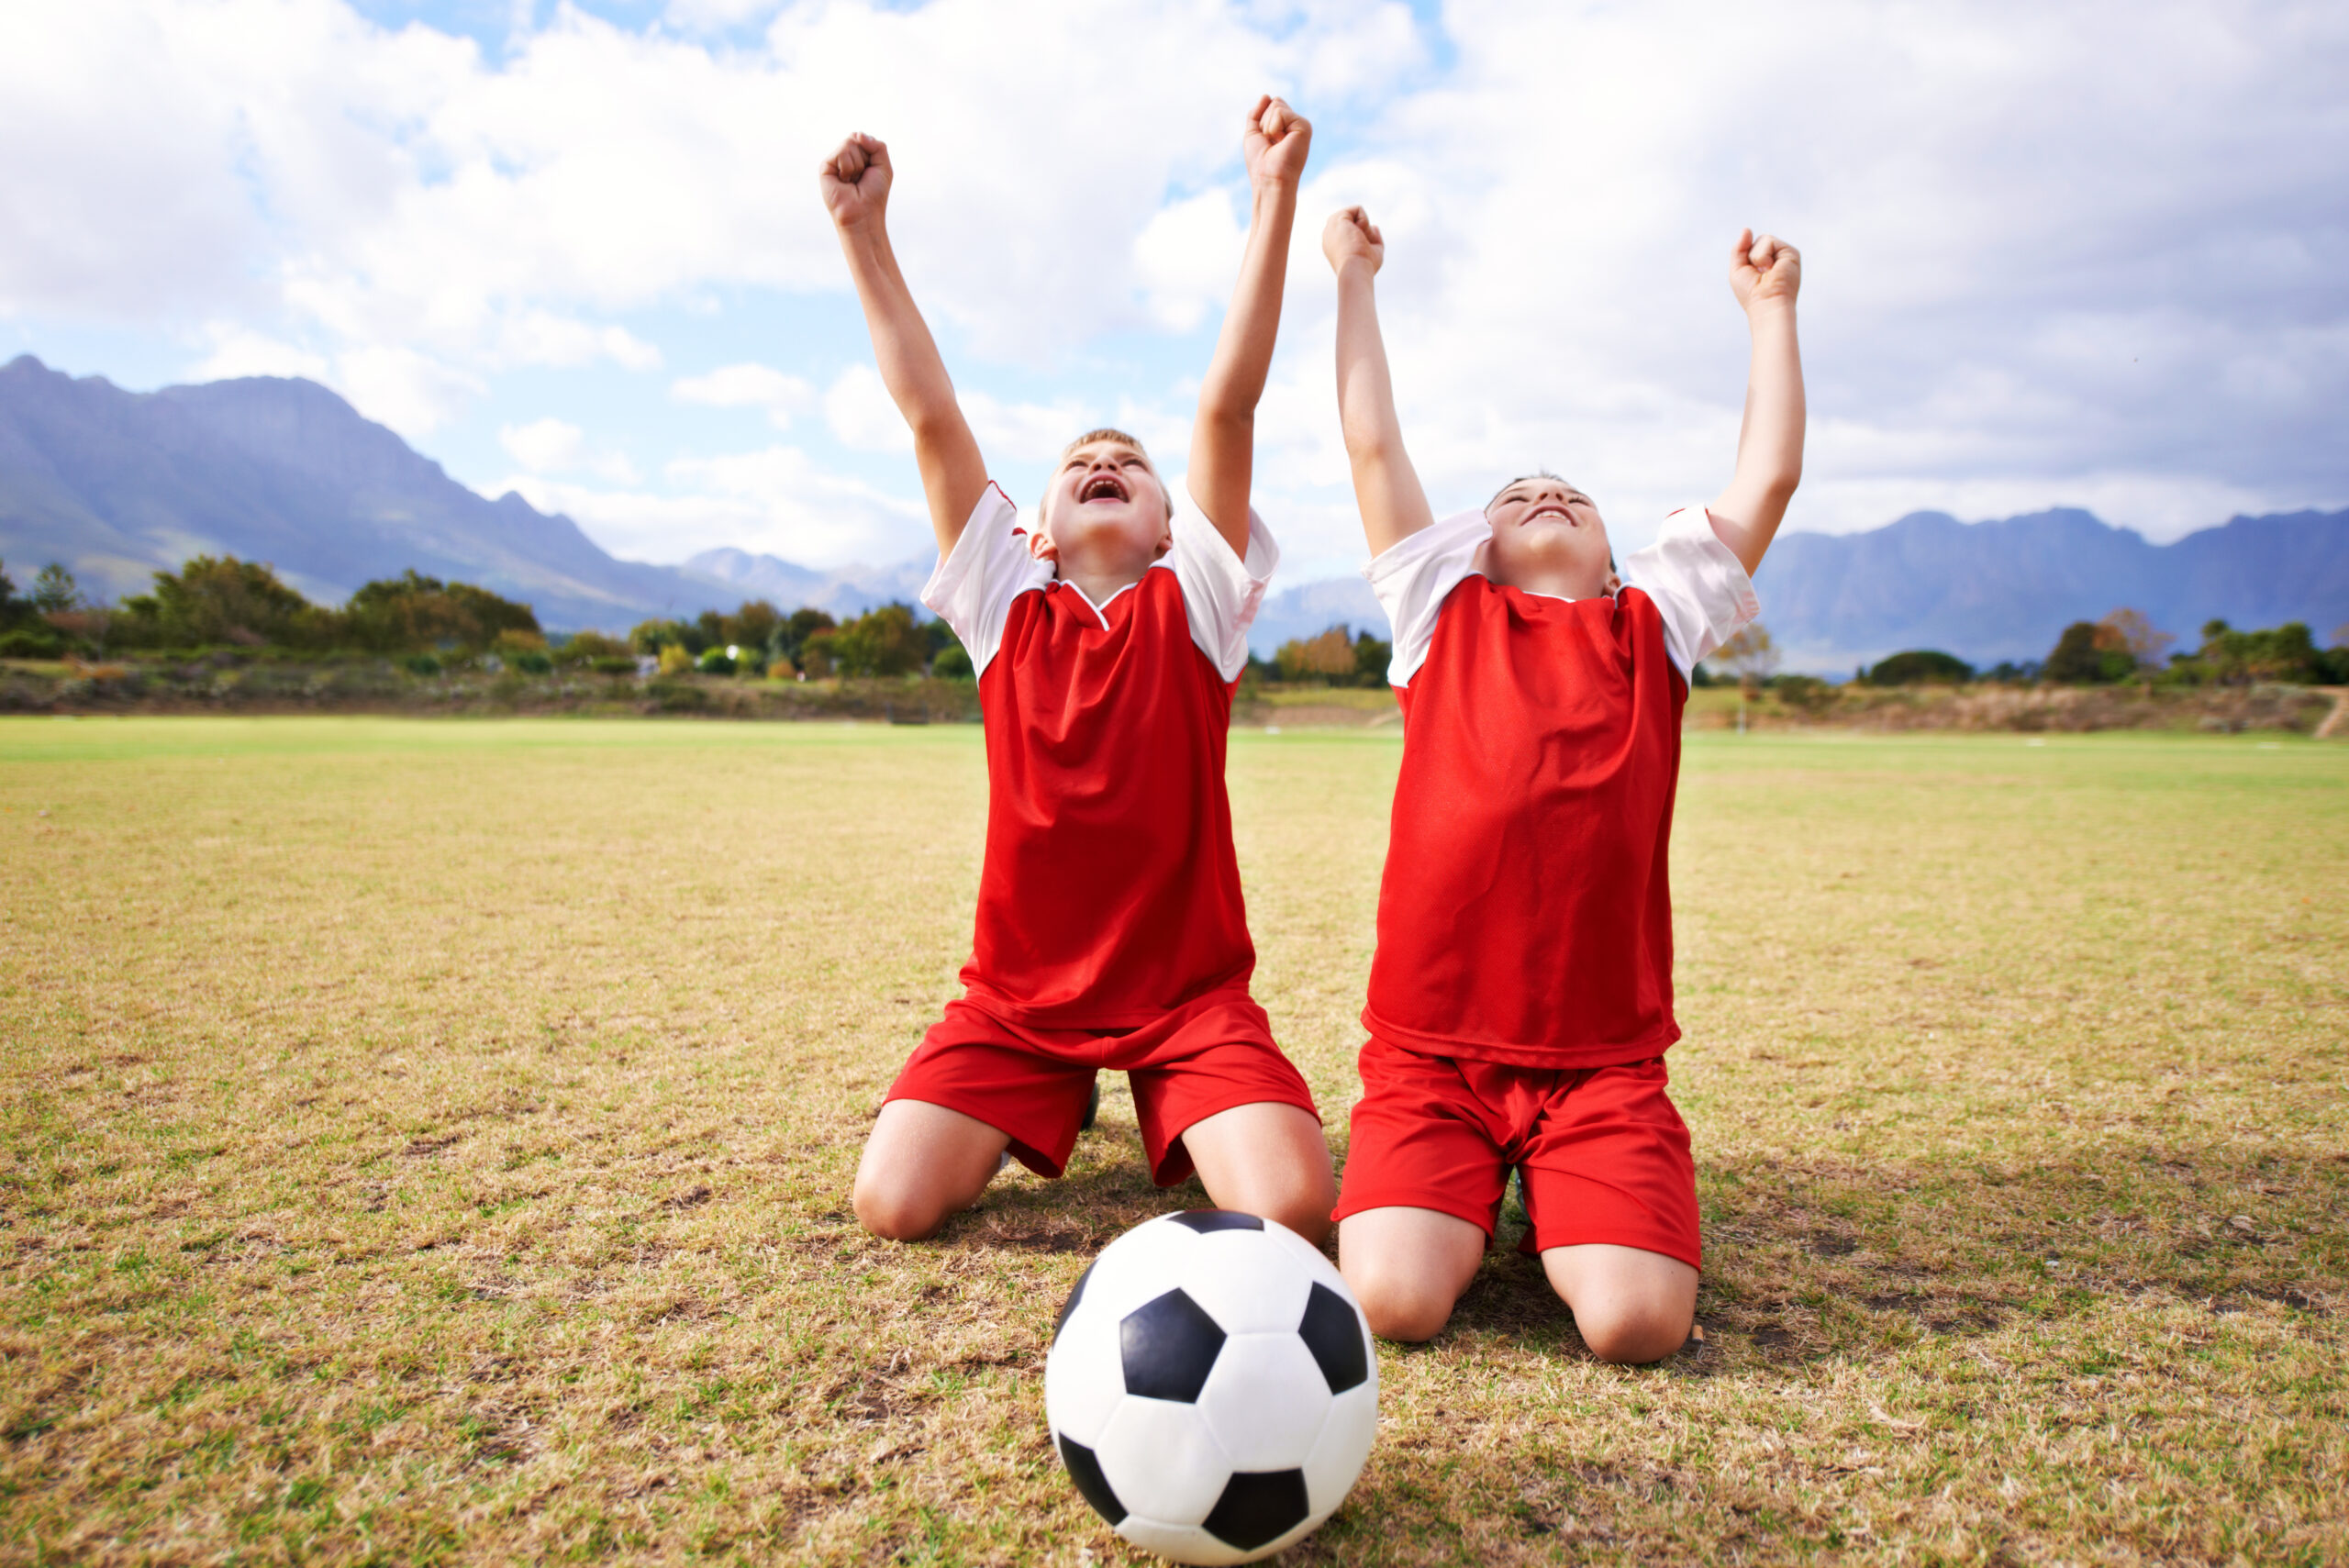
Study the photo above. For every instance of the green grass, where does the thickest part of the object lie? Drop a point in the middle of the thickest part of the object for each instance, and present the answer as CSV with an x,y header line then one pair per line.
x,y
427,1141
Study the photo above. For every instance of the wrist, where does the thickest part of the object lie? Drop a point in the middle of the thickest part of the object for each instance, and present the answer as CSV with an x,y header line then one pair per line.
x,y
1760,313
1264,188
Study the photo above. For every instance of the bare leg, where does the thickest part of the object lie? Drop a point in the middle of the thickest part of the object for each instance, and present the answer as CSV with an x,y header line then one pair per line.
x,y
1268,1158
1629,1303
922,1163
1408,1266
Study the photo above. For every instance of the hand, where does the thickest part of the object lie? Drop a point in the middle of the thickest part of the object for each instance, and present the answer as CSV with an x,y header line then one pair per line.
x,y
1275,143
1764,271
1351,236
856,181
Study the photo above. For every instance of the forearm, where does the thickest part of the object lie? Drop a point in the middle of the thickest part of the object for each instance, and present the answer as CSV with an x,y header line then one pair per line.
x,y
1387,487
1770,440
1243,350
1223,435
954,475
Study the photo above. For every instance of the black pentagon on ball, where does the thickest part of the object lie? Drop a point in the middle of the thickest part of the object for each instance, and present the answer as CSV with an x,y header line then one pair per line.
x,y
1091,1484
1168,1346
1076,1294
1205,1219
1258,1507
1332,1331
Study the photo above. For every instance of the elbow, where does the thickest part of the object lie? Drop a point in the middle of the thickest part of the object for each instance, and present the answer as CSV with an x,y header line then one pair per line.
x,y
1226,418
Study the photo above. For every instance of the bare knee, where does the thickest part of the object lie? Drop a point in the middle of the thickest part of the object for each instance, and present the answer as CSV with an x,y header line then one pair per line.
x,y
897,1210
1634,1339
1305,1213
1401,1307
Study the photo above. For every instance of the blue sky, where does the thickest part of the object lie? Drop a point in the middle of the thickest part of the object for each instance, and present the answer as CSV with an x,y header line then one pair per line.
x,y
2081,255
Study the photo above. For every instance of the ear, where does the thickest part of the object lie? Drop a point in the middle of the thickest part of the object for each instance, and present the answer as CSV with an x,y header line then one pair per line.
x,y
1041,545
1614,586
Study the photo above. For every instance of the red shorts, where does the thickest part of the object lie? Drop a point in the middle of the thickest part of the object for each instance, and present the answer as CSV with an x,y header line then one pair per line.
x,y
1604,1154
1032,1084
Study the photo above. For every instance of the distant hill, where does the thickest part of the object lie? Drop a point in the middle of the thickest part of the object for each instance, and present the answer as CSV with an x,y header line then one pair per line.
x,y
1983,591
851,590
117,484
2007,589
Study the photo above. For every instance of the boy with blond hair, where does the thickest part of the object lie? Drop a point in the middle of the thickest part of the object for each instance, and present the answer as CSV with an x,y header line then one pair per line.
x,y
1110,931
1520,999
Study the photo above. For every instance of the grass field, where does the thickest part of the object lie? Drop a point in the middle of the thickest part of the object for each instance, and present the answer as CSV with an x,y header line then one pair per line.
x,y
429,1142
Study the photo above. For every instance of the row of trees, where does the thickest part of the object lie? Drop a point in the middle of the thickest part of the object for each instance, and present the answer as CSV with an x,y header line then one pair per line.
x,y
222,601
758,639
1332,659
2125,646
213,603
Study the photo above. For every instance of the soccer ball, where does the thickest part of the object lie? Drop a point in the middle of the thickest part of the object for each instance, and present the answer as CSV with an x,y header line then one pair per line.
x,y
1211,1386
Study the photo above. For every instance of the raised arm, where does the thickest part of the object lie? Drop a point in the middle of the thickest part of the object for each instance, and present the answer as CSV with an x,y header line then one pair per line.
x,y
1387,487
1223,437
954,475
1764,274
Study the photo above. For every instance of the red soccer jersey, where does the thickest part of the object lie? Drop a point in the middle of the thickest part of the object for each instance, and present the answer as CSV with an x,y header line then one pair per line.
x,y
1110,893
1526,913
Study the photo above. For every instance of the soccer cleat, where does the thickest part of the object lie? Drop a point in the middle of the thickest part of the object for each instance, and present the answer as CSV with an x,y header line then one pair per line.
x,y
1092,1108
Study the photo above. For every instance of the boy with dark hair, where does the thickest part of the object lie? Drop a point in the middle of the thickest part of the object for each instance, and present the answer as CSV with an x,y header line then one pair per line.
x,y
1110,931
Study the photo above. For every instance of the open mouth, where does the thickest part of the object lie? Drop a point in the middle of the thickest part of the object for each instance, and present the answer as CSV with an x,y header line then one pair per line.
x,y
1103,487
1551,510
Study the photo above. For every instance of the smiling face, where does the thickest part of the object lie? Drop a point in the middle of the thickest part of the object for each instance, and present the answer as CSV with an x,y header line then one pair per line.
x,y
1547,536
1106,512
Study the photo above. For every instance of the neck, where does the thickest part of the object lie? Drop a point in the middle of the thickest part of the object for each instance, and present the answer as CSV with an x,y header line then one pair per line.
x,y
1544,577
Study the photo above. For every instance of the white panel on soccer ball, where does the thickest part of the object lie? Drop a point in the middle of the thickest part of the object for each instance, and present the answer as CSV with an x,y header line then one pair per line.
x,y
1083,1379
1344,1444
1161,1461
1144,1263
1246,1283
1265,1400
1308,1256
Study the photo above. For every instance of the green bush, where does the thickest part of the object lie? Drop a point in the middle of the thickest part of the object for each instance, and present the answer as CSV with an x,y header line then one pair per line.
x,y
2087,655
613,664
715,662
1921,667
31,643
954,664
421,665
1806,694
531,662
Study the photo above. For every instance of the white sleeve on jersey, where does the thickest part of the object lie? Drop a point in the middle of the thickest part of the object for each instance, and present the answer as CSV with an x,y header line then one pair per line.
x,y
1221,592
1698,585
990,566
1413,576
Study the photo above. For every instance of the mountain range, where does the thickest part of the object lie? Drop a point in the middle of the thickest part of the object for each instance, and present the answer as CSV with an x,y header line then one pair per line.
x,y
1987,591
117,485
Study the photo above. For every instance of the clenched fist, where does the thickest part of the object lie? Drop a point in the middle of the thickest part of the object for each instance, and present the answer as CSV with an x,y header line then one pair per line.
x,y
856,181
1276,143
1763,270
1350,235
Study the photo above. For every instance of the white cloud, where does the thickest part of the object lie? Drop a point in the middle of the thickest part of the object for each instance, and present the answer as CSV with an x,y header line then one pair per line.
x,y
412,392
749,385
239,351
775,501
1186,256
2052,253
862,417
542,338
551,446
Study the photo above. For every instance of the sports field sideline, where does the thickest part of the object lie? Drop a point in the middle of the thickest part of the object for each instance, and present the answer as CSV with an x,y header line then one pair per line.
x,y
429,1141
